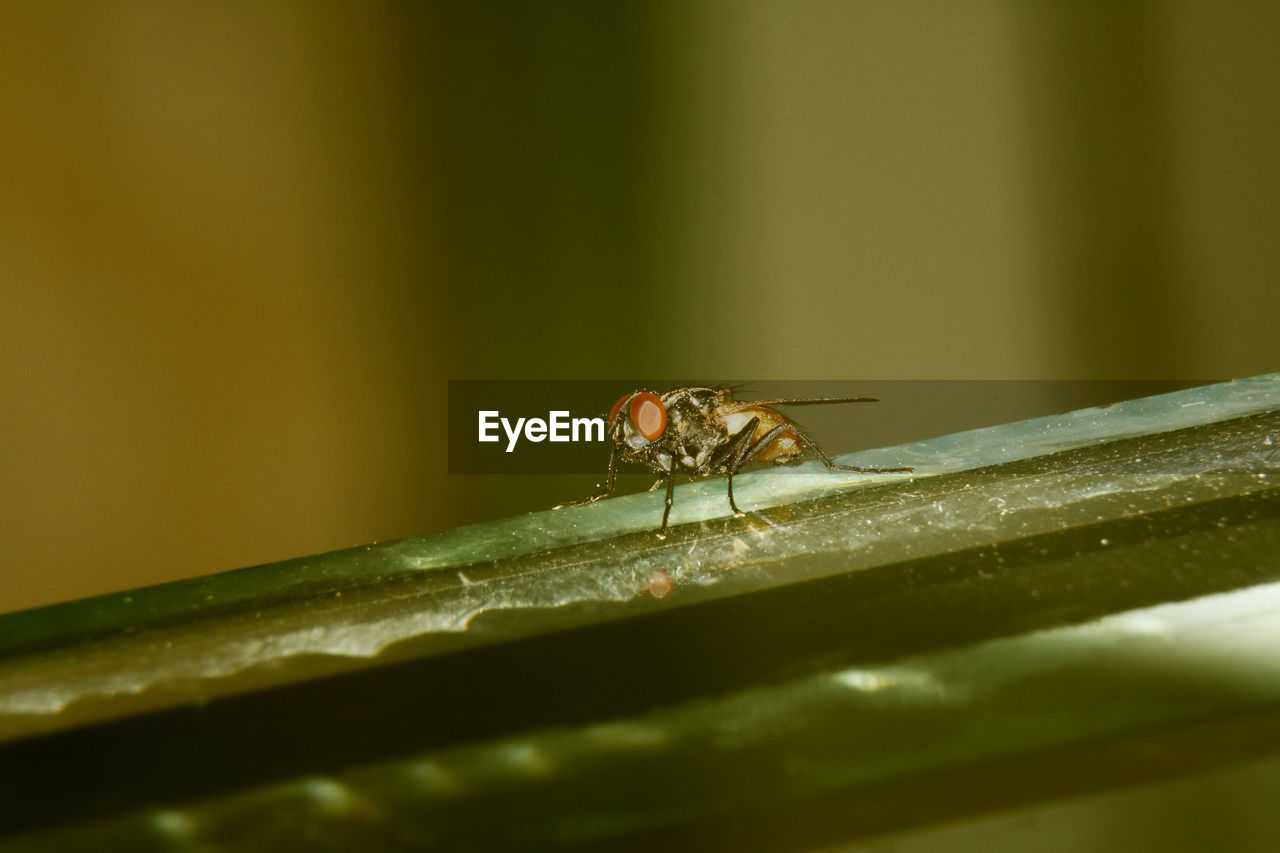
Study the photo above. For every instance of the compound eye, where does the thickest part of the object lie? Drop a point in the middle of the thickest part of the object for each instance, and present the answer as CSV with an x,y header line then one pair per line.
x,y
613,413
649,415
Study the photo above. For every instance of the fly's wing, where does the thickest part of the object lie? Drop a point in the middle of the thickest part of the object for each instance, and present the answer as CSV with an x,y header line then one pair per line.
x,y
741,411
792,443
808,401
789,443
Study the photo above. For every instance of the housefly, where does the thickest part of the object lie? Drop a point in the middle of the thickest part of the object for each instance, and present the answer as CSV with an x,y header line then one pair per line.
x,y
702,431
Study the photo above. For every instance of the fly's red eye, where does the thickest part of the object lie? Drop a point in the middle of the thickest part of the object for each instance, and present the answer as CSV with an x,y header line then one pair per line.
x,y
613,413
649,415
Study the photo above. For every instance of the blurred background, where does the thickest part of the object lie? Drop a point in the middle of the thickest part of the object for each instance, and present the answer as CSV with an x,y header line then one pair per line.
x,y
243,246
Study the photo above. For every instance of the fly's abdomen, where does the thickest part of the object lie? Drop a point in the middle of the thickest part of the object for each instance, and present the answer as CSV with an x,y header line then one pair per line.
x,y
784,447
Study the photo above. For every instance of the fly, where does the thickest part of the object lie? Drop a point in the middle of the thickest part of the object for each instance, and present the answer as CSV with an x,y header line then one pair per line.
x,y
702,431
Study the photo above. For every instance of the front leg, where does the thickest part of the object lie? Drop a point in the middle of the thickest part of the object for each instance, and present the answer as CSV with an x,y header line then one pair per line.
x,y
610,484
666,511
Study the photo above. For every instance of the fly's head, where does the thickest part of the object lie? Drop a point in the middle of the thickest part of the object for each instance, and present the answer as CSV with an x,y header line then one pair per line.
x,y
637,426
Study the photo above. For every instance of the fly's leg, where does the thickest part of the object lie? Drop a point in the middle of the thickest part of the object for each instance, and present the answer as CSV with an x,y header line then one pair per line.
x,y
748,451
730,457
862,470
666,511
739,449
834,466
610,484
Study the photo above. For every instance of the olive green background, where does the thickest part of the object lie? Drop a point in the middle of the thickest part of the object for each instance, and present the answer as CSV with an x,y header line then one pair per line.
x,y
244,245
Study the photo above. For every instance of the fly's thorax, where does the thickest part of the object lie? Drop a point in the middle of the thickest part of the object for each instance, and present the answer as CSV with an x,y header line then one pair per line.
x,y
693,431
688,402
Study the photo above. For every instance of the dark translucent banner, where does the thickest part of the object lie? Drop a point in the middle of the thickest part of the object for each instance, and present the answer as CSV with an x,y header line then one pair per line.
x,y
558,426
